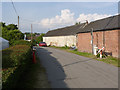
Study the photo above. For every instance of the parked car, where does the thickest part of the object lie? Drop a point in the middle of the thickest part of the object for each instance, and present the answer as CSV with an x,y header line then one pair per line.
x,y
43,44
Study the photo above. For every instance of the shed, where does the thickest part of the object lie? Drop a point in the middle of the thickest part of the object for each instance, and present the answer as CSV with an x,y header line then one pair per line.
x,y
3,43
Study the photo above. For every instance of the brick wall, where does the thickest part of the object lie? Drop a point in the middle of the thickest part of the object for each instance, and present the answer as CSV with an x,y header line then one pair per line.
x,y
119,43
108,39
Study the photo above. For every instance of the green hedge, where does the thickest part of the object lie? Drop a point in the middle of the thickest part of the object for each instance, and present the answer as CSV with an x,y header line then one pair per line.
x,y
21,42
14,61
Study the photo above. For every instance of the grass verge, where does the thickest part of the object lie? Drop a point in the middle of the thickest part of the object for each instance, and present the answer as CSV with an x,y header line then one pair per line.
x,y
34,77
109,60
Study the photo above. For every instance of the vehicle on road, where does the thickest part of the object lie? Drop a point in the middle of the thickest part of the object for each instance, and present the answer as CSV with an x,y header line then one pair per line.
x,y
43,44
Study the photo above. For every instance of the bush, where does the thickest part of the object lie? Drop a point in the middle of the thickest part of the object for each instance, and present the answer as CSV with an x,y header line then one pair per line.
x,y
40,38
33,42
98,55
66,47
75,50
21,42
14,61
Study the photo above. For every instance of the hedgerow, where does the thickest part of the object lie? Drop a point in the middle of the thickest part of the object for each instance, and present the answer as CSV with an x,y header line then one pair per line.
x,y
14,61
21,42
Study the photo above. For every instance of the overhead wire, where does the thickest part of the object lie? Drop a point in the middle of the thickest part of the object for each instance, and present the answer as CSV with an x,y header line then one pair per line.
x,y
14,8
27,20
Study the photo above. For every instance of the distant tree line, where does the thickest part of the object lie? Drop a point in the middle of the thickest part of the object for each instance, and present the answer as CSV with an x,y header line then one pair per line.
x,y
10,32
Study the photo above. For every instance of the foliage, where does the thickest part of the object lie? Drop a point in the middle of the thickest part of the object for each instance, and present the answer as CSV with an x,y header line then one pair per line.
x,y
33,42
28,35
21,42
11,33
75,50
12,27
14,56
14,61
77,23
40,38
64,48
98,55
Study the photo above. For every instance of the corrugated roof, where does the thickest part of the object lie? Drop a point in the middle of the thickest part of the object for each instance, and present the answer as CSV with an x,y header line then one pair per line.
x,y
109,23
70,30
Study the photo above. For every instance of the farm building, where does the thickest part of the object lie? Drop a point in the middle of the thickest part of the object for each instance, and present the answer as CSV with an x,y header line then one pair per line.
x,y
106,33
63,36
3,43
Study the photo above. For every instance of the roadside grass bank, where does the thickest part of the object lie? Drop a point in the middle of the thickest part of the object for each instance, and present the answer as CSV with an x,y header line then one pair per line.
x,y
34,76
109,60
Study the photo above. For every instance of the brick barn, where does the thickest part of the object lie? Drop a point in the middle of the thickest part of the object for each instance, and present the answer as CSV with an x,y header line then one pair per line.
x,y
63,36
106,33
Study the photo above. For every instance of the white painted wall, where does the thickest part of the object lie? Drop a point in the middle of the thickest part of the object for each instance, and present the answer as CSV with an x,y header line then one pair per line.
x,y
60,40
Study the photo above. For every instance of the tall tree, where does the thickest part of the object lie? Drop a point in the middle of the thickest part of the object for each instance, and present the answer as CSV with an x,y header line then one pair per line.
x,y
12,27
11,32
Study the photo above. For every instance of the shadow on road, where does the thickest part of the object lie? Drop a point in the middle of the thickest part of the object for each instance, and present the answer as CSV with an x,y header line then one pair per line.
x,y
54,70
76,62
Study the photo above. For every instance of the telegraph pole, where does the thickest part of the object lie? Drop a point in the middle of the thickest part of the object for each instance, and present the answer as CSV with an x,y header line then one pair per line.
x,y
18,22
31,32
92,39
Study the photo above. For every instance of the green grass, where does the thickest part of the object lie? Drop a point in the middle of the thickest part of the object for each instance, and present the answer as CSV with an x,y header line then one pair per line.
x,y
109,60
34,77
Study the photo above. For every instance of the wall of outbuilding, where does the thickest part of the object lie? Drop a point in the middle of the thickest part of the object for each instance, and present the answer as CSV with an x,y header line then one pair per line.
x,y
109,39
60,40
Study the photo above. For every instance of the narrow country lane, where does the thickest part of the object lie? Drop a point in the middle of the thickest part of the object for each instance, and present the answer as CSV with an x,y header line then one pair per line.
x,y
68,70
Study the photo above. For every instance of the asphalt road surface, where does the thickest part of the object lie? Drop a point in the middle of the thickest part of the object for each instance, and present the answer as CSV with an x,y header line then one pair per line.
x,y
68,70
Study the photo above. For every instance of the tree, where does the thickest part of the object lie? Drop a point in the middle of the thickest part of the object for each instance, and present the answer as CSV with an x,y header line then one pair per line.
x,y
12,27
2,24
11,33
15,35
40,38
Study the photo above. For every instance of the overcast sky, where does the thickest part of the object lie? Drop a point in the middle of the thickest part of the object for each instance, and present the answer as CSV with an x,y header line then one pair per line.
x,y
51,15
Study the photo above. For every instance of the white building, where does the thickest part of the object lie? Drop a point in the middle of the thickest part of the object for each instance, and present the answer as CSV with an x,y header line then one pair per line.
x,y
63,36
3,43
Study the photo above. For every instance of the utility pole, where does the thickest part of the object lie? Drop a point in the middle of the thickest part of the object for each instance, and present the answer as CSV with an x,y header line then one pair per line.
x,y
103,38
31,32
92,40
18,22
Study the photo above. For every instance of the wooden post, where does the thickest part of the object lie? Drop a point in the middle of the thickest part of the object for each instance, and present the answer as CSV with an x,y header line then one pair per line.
x,y
18,22
31,32
92,40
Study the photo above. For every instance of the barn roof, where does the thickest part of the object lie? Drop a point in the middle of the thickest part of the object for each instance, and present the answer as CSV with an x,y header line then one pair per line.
x,y
70,30
109,23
